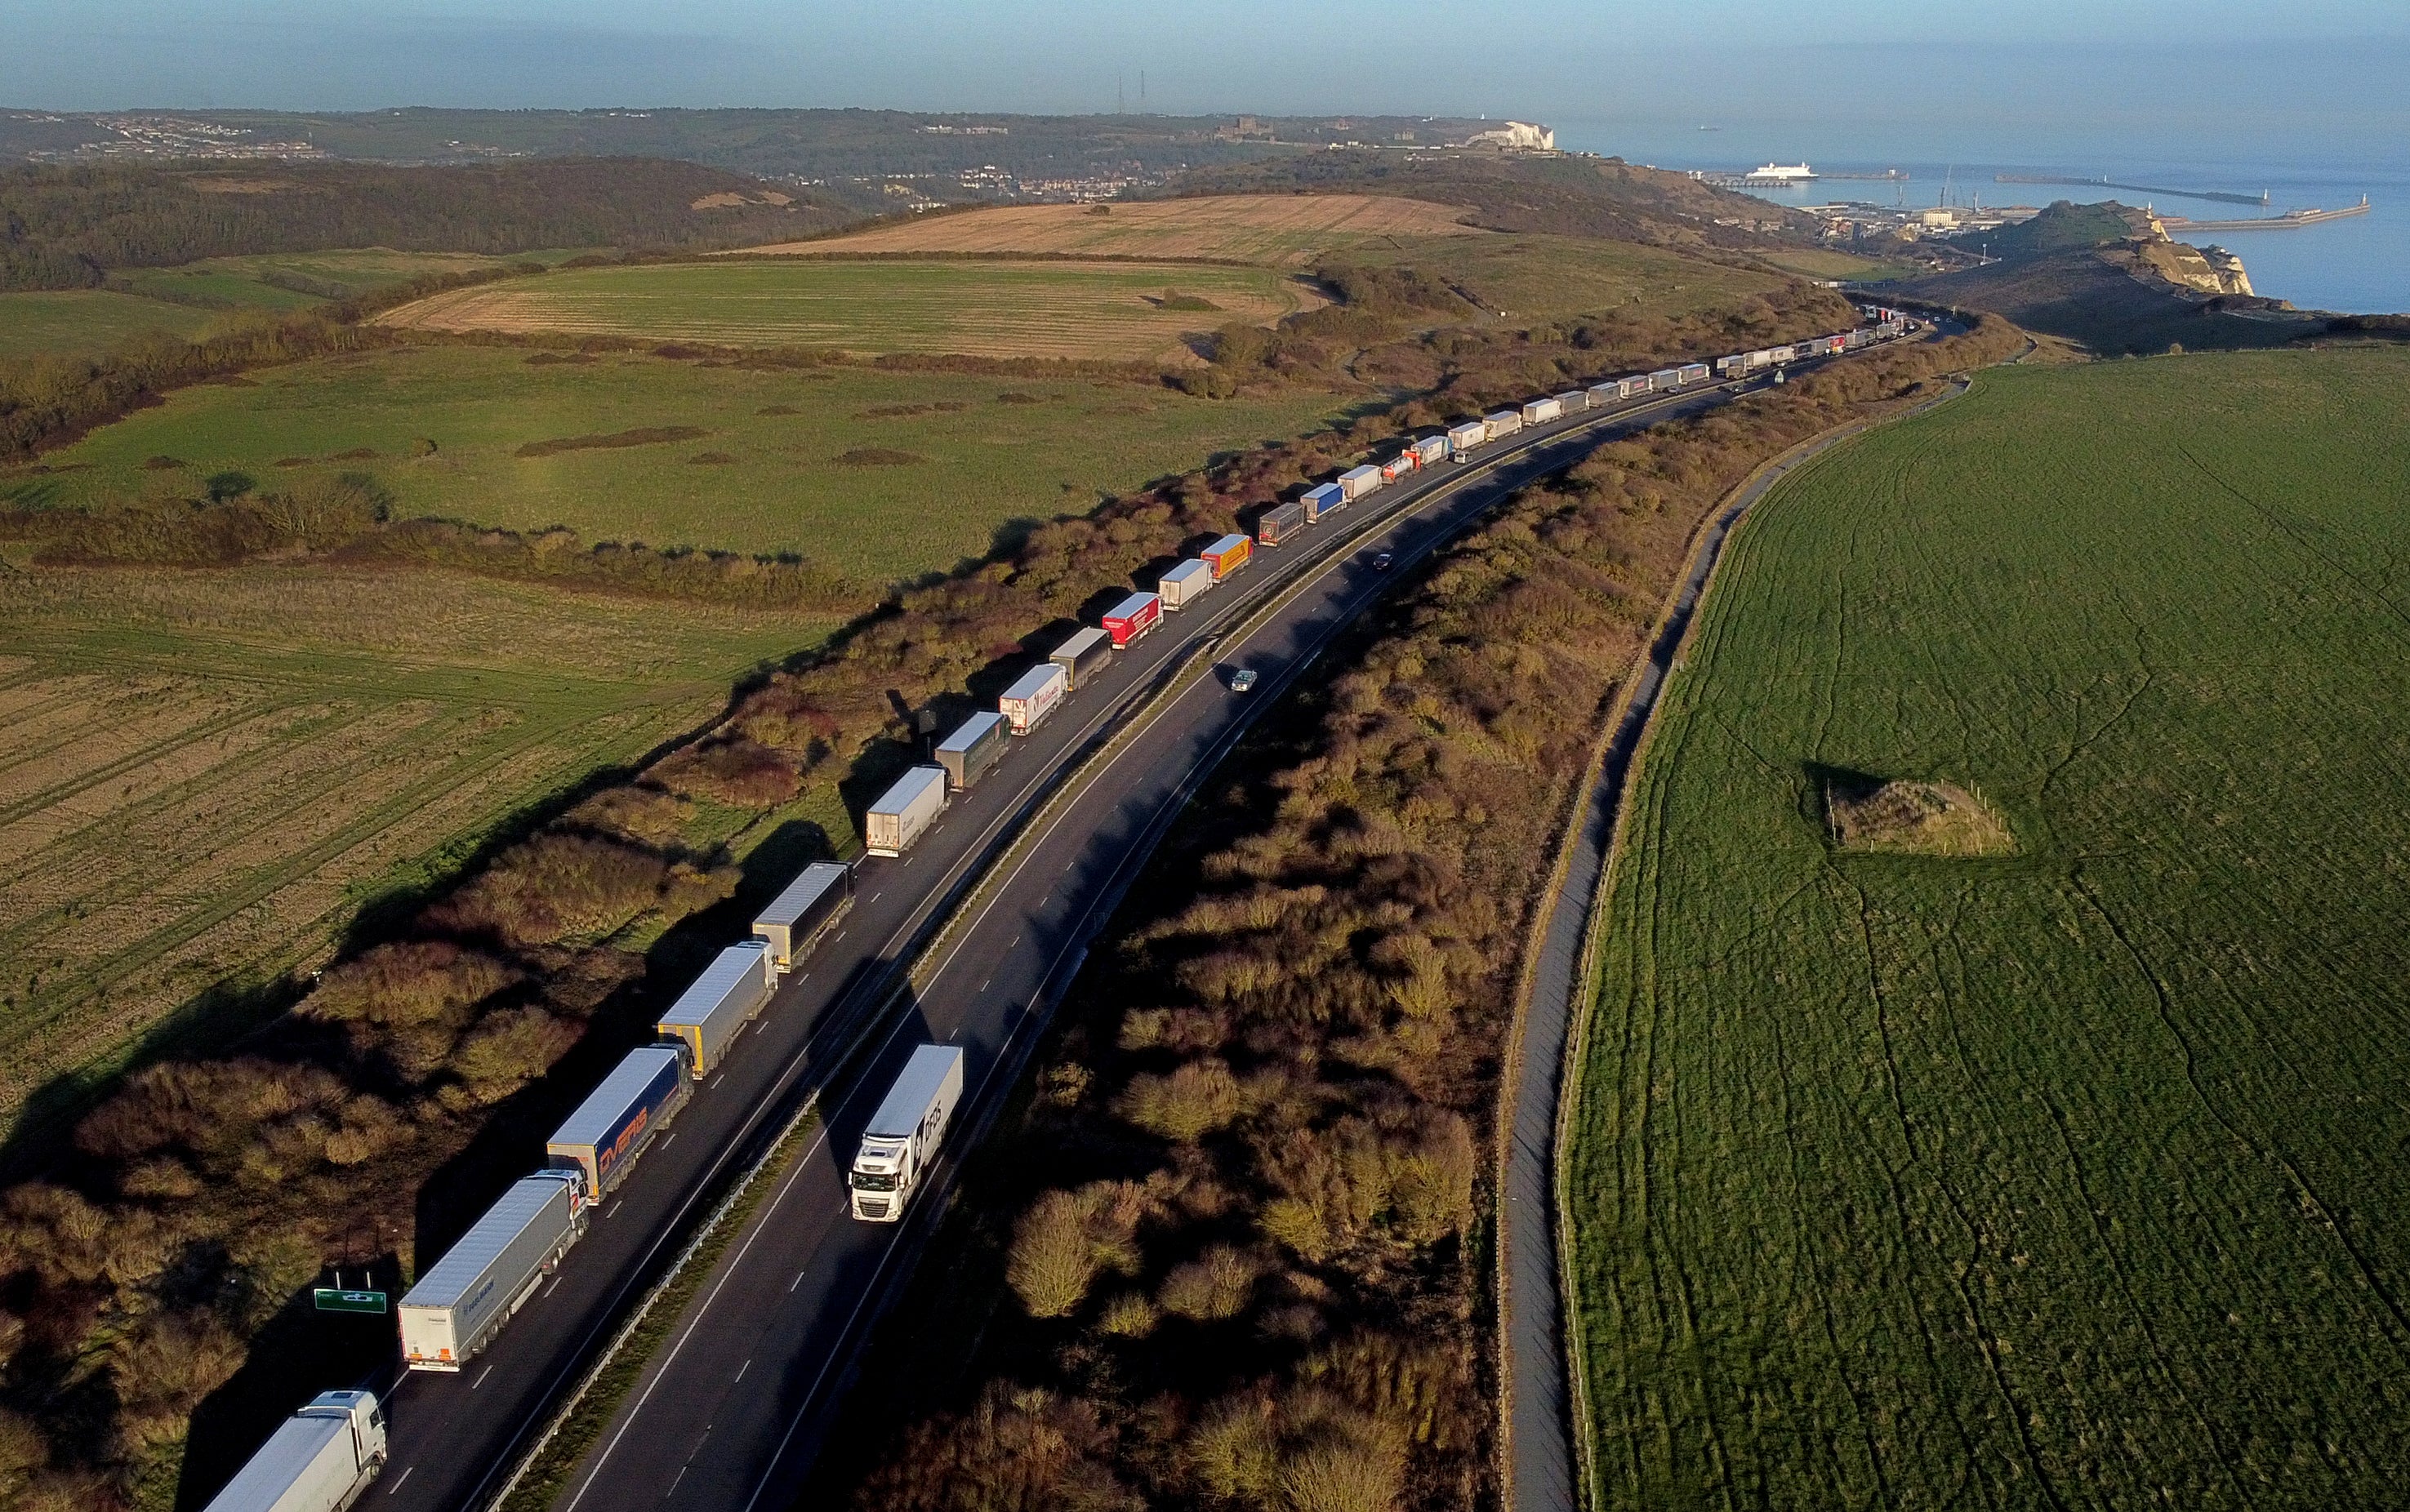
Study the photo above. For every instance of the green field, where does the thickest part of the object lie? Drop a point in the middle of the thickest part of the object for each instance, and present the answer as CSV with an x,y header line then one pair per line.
x,y
1110,311
751,481
2068,1178
203,774
88,322
197,297
1551,277
296,280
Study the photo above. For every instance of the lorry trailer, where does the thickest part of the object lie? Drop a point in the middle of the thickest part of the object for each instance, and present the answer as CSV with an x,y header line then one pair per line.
x,y
1572,401
1083,657
1602,395
464,1299
1133,617
1692,372
901,1140
1632,387
1279,524
1539,411
1429,449
1503,423
1664,378
715,1006
806,906
1034,695
1358,482
910,806
615,1123
1397,467
319,1460
1321,499
1462,438
1227,555
976,745
1181,586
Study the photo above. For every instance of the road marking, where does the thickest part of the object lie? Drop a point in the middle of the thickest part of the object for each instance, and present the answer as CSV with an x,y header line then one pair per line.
x,y
874,898
614,1207
955,1036
673,1480
797,1282
665,1144
1219,750
555,1287
481,1377
713,1296
983,985
740,1373
717,1080
405,1476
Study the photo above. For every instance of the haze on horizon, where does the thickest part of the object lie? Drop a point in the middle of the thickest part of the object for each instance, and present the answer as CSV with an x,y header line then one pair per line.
x,y
2329,71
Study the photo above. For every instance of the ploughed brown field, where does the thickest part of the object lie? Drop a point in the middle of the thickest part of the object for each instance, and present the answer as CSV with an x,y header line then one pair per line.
x,y
1281,230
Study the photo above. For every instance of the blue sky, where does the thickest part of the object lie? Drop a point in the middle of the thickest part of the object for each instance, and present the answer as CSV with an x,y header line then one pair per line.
x,y
2310,65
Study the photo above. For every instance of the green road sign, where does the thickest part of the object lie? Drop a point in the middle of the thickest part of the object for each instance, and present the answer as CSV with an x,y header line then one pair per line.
x,y
335,1300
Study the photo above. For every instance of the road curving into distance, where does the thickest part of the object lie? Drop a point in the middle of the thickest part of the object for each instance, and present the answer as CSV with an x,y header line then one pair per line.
x,y
729,1415
1541,1427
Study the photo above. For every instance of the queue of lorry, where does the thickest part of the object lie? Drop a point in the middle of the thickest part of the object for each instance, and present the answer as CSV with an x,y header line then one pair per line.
x,y
324,1457
1284,523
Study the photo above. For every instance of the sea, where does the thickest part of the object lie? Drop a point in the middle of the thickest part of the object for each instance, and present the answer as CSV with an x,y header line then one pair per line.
x,y
2359,265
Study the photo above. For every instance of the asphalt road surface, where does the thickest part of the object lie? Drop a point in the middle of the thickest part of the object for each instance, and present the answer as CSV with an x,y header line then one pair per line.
x,y
727,1417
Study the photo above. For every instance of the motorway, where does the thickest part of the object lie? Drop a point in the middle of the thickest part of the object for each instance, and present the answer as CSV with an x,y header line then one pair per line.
x,y
762,1353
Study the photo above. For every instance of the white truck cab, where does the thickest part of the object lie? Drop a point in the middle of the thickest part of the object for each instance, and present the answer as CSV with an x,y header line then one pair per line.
x,y
902,1138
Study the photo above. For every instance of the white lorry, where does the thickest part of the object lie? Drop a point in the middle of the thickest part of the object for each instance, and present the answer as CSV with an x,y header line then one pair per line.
x,y
319,1460
489,1272
902,1138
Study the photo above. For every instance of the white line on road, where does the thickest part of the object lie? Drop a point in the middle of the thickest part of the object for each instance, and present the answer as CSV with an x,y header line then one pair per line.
x,y
673,1137
797,1282
759,1226
405,1476
741,1370
481,1377
555,1287
614,1207
717,1080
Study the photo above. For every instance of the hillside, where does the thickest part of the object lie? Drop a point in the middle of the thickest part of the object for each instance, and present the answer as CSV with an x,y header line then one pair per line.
x,y
2065,227
806,143
1580,197
63,227
2109,300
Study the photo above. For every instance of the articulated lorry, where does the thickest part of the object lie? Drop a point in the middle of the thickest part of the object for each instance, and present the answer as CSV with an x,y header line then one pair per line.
x,y
902,1139
488,1274
818,898
319,1460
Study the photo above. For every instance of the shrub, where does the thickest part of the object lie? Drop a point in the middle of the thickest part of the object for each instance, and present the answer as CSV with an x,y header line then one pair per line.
x,y
1343,1474
1064,1238
738,771
1212,1287
1199,1098
557,886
